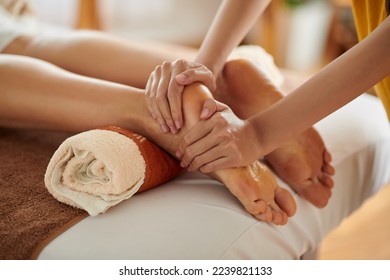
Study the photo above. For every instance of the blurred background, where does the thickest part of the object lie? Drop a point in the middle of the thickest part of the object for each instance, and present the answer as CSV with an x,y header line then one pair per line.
x,y
302,35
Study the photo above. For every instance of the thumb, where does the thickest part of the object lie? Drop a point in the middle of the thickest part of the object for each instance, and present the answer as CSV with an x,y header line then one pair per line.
x,y
210,107
202,75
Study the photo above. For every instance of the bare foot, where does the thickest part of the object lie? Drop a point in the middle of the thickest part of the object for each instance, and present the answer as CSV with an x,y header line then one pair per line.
x,y
305,165
254,186
257,190
304,162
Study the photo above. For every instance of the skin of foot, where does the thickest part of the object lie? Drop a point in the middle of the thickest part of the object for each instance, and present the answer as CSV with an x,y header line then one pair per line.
x,y
303,162
254,186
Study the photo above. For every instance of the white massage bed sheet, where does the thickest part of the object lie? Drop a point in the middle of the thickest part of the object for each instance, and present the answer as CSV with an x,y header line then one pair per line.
x,y
194,217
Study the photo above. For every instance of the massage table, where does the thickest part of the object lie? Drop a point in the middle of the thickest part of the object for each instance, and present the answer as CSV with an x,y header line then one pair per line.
x,y
195,217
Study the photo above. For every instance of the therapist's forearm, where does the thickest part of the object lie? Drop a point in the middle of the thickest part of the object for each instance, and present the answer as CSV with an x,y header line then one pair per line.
x,y
337,84
231,24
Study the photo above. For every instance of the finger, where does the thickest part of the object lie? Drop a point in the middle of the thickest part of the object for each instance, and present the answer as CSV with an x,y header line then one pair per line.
x,y
175,103
175,91
153,100
194,153
151,93
197,132
209,161
184,65
210,107
218,164
162,98
147,94
199,74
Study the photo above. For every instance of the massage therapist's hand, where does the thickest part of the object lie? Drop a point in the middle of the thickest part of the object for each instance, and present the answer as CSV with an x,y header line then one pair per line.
x,y
220,140
165,87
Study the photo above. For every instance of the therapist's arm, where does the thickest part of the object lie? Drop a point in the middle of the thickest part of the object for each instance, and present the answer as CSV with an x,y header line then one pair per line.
x,y
231,24
165,85
334,86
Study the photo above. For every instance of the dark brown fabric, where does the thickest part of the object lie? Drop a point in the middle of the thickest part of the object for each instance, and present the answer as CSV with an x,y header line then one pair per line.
x,y
29,215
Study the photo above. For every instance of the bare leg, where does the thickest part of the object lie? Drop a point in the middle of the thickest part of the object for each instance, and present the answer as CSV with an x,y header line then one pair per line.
x,y
303,162
36,94
100,55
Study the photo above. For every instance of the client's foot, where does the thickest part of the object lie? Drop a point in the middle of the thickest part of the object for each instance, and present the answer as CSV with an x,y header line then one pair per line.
x,y
303,162
257,190
254,186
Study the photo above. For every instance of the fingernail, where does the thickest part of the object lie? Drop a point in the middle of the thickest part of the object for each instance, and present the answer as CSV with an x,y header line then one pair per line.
x,y
178,125
205,113
181,78
164,128
182,164
173,130
178,154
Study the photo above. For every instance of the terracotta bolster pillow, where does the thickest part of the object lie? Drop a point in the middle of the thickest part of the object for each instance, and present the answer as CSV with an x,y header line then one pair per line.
x,y
99,168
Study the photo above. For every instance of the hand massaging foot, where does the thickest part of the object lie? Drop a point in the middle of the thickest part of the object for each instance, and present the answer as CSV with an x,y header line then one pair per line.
x,y
254,186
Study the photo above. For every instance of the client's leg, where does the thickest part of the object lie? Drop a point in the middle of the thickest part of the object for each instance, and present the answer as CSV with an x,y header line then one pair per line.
x,y
36,94
100,55
303,162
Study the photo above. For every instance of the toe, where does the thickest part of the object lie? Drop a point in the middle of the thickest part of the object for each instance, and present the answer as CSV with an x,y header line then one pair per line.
x,y
280,217
327,156
267,216
328,169
326,180
285,201
256,207
277,217
316,193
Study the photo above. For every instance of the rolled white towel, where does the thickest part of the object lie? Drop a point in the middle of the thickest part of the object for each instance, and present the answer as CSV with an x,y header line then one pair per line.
x,y
98,169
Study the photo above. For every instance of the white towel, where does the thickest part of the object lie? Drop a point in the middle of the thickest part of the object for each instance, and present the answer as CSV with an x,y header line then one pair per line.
x,y
97,169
